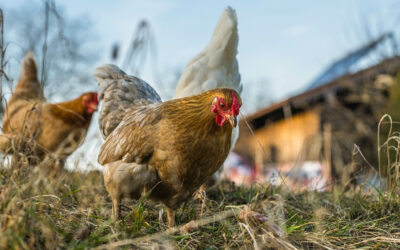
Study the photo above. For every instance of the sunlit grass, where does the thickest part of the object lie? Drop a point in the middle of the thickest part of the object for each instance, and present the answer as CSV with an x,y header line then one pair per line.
x,y
72,210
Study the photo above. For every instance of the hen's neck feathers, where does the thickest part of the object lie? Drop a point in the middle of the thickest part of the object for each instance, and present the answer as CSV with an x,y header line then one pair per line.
x,y
194,113
72,111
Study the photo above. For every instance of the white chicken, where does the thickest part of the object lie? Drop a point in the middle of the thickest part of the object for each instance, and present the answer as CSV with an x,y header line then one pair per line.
x,y
216,66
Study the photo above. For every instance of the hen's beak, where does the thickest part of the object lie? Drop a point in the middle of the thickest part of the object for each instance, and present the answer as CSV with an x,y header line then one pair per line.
x,y
232,120
93,106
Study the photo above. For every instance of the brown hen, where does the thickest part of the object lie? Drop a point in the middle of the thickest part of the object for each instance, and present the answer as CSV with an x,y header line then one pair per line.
x,y
56,129
170,148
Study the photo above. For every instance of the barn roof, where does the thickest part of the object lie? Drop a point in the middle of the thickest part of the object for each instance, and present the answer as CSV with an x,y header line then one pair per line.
x,y
351,62
318,94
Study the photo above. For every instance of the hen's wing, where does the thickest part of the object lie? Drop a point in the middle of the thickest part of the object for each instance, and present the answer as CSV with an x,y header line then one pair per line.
x,y
132,140
216,66
120,93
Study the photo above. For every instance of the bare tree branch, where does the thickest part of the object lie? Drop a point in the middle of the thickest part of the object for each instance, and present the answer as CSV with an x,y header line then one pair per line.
x,y
44,48
2,51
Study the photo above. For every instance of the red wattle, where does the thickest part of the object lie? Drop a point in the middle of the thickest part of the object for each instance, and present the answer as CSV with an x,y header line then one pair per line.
x,y
220,120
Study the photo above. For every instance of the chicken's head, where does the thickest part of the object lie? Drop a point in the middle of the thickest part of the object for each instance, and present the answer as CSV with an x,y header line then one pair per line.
x,y
90,102
226,108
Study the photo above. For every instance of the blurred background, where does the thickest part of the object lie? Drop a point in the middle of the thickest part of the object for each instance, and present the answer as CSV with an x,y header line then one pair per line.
x,y
317,76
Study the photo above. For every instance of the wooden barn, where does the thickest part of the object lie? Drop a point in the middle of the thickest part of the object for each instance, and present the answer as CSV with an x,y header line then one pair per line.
x,y
334,122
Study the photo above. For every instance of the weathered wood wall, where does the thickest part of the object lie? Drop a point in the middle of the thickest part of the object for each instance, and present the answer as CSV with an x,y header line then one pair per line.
x,y
283,140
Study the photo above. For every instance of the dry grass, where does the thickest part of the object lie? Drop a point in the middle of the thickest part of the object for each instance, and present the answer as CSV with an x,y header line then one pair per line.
x,y
46,209
72,210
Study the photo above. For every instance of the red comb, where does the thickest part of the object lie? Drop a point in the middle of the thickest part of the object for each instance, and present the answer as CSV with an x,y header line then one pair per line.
x,y
235,105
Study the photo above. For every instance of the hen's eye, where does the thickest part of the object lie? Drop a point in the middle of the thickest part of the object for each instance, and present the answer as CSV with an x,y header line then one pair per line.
x,y
221,104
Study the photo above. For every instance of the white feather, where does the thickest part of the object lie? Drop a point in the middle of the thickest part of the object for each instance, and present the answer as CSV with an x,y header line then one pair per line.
x,y
215,66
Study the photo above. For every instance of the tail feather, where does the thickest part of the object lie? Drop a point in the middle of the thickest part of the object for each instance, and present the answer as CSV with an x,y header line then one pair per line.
x,y
29,68
216,66
106,74
120,93
28,86
225,35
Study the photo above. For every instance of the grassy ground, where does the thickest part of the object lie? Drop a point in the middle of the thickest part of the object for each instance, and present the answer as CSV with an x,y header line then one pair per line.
x,y
72,210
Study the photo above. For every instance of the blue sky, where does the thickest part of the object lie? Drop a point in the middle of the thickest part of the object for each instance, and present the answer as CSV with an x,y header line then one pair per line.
x,y
284,42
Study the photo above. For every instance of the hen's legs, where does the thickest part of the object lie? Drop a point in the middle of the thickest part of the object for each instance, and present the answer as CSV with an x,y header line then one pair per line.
x,y
201,195
170,217
116,208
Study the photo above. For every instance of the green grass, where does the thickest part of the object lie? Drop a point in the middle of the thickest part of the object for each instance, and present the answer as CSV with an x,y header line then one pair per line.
x,y
72,210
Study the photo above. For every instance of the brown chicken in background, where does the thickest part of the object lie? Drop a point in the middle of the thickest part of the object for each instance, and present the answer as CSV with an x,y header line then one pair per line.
x,y
170,148
55,129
